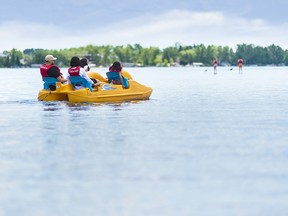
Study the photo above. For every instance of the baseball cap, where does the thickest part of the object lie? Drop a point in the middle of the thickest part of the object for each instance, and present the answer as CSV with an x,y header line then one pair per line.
x,y
50,58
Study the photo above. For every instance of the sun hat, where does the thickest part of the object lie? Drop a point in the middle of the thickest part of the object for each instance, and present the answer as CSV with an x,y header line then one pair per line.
x,y
50,58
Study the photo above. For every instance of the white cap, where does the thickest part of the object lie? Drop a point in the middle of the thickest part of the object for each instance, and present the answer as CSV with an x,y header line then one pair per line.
x,y
50,58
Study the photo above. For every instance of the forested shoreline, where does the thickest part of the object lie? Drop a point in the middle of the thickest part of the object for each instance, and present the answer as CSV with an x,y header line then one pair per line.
x,y
136,55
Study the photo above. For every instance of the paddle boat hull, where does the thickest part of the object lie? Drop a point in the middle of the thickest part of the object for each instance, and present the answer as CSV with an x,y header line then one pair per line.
x,y
111,93
60,94
104,93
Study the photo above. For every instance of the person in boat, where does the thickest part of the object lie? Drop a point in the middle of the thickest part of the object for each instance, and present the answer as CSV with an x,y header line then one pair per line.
x,y
84,64
49,69
240,64
215,64
75,69
116,67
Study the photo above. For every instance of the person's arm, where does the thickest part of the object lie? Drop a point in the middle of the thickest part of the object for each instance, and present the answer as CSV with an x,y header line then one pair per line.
x,y
84,75
61,79
68,78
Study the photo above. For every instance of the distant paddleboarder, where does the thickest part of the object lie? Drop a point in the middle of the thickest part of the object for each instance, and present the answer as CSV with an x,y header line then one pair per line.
x,y
215,64
240,64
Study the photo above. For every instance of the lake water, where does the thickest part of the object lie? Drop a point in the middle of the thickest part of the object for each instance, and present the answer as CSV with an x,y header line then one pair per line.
x,y
203,145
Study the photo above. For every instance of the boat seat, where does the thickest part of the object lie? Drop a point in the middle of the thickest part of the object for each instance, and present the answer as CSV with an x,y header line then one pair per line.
x,y
78,80
50,83
115,76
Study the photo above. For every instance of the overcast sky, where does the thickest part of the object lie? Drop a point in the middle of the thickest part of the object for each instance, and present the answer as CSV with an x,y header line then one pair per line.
x,y
57,24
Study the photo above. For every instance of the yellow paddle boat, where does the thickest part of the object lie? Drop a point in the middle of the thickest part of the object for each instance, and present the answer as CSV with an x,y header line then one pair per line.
x,y
105,92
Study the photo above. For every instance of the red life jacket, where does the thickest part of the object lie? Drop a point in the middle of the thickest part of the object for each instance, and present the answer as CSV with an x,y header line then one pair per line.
x,y
75,71
44,70
240,61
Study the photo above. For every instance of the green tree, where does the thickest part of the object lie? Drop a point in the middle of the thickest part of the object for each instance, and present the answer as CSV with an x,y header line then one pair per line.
x,y
149,55
14,57
210,53
246,51
171,53
200,51
39,55
226,55
275,55
187,56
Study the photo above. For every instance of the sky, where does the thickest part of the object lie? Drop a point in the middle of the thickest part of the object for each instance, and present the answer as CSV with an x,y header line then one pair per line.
x,y
60,24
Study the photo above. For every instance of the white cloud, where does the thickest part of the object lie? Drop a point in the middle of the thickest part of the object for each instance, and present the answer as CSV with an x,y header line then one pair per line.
x,y
162,30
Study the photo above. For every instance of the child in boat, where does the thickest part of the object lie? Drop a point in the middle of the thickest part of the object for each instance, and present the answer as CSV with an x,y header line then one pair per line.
x,y
76,70
115,75
84,64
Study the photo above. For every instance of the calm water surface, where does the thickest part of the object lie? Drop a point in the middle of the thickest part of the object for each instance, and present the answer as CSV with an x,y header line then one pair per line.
x,y
204,144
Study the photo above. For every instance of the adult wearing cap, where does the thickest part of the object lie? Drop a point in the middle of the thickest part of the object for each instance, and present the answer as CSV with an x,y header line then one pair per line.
x,y
49,69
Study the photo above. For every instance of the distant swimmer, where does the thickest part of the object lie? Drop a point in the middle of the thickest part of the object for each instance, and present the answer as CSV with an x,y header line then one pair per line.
x,y
215,64
240,64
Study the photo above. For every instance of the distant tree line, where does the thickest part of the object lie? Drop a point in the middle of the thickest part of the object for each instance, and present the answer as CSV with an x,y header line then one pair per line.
x,y
136,55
